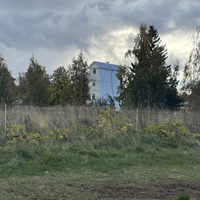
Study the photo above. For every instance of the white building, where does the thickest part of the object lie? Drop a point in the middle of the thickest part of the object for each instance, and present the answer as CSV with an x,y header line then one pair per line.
x,y
103,80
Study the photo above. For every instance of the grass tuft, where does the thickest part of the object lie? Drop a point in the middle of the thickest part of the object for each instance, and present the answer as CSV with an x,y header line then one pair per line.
x,y
183,197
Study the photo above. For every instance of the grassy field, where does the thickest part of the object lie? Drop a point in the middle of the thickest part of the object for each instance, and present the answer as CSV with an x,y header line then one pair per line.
x,y
104,159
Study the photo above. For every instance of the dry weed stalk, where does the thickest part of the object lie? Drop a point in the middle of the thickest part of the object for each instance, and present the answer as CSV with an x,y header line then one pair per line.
x,y
49,118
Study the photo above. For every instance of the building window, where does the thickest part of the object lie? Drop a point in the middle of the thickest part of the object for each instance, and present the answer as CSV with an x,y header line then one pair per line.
x,y
93,96
93,84
94,71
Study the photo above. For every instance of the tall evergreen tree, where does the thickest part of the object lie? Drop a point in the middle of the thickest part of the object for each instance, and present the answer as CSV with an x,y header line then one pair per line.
x,y
137,88
174,99
148,77
34,85
8,88
158,71
60,87
79,81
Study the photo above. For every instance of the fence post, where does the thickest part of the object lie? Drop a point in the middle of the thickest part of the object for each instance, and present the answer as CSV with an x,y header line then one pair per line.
x,y
160,121
148,122
137,120
5,117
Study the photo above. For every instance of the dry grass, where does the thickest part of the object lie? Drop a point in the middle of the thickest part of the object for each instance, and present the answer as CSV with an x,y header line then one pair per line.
x,y
49,118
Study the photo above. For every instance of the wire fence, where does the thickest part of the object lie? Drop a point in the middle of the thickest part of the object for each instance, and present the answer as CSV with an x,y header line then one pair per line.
x,y
47,118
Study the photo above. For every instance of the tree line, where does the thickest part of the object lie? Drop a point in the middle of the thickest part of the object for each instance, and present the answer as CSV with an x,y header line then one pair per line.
x,y
147,82
37,88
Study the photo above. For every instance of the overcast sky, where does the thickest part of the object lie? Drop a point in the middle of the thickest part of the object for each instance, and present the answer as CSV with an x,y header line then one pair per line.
x,y
57,30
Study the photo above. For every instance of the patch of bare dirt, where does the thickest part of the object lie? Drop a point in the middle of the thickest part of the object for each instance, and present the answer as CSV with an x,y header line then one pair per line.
x,y
152,190
164,189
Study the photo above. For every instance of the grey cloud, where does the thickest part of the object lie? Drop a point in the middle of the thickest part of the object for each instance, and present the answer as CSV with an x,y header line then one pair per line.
x,y
161,13
51,31
21,31
103,6
60,24
45,27
40,5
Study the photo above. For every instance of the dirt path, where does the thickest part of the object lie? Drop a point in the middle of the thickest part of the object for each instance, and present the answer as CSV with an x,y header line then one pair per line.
x,y
55,188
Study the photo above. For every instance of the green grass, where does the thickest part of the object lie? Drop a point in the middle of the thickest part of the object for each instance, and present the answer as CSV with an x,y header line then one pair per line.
x,y
100,167
183,197
102,156
77,175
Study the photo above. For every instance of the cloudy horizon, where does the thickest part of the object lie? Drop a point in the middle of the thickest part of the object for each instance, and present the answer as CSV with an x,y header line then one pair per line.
x,y
56,31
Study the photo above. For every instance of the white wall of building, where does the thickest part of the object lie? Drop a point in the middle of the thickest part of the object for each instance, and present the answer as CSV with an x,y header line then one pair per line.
x,y
103,80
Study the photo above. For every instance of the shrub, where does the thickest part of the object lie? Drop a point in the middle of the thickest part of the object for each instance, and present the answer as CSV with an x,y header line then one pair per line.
x,y
17,133
16,130
167,129
175,128
92,132
112,123
196,135
157,129
56,135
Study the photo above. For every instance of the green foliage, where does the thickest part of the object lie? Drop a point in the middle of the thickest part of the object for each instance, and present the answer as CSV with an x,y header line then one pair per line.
x,y
93,132
80,90
101,102
124,77
16,130
167,129
174,100
8,89
148,82
108,102
12,166
196,135
108,144
157,129
79,131
34,85
17,134
56,135
111,123
183,197
175,128
60,87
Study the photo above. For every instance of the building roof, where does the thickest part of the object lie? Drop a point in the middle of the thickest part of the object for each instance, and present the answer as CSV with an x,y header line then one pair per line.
x,y
107,65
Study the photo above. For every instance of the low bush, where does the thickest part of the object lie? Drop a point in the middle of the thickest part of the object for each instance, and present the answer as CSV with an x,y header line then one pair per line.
x,y
167,129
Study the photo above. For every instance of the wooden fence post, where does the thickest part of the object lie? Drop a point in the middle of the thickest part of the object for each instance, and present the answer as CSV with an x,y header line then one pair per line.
x,y
137,120
5,117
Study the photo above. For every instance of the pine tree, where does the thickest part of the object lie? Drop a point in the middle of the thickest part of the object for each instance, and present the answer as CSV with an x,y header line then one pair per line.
x,y
34,85
158,72
138,86
147,80
79,81
174,99
8,88
60,87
